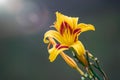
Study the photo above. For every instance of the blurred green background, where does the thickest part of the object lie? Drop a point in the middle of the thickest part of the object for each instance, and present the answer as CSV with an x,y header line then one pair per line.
x,y
24,56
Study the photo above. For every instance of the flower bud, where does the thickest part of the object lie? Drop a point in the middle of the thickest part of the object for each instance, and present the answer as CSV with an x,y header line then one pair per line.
x,y
68,60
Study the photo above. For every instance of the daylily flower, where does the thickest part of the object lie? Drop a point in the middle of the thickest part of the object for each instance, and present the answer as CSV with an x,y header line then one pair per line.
x,y
66,35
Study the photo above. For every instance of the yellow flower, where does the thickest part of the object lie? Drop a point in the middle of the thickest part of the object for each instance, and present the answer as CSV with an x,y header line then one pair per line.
x,y
66,35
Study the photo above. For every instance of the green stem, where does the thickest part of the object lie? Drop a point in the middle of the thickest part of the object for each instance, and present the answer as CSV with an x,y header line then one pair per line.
x,y
102,72
94,74
98,67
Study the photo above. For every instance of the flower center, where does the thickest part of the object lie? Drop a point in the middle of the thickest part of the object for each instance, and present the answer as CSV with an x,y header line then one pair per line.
x,y
68,33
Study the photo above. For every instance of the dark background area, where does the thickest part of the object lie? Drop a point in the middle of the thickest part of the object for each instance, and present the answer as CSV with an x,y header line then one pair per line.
x,y
24,56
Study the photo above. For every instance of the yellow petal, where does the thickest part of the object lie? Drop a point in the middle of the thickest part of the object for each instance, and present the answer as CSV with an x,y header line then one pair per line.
x,y
75,22
86,27
80,52
55,51
72,21
53,34
79,48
